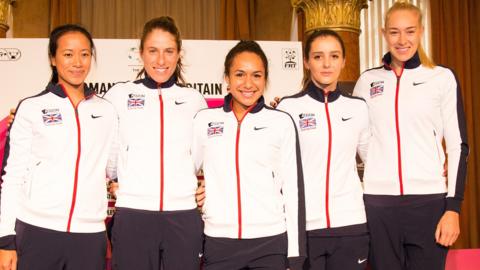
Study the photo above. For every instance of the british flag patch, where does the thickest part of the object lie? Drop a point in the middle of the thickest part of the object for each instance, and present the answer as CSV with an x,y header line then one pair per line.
x,y
135,101
376,89
307,121
51,117
215,129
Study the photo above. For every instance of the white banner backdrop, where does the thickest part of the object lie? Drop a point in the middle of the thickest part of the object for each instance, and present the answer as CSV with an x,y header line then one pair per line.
x,y
25,70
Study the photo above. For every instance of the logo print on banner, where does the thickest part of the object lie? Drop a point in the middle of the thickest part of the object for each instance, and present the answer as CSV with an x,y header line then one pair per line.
x,y
10,54
376,89
215,129
135,62
135,101
51,117
289,58
307,121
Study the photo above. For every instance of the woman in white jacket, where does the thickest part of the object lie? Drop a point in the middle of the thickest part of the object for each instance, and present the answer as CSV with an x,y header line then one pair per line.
x,y
253,212
412,209
332,127
156,224
54,197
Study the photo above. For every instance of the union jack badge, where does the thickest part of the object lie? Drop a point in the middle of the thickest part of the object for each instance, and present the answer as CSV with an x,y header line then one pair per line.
x,y
51,117
376,89
135,101
307,121
215,129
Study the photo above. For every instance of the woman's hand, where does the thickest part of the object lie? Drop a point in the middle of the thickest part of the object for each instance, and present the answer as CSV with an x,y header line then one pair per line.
x,y
8,259
112,188
274,102
448,229
11,116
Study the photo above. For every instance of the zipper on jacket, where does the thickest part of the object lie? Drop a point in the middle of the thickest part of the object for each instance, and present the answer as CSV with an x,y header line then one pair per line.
x,y
77,163
327,182
237,168
161,147
397,127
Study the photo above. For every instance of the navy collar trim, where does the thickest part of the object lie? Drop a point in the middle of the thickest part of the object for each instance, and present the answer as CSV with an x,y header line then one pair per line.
x,y
411,63
227,101
318,94
150,83
59,90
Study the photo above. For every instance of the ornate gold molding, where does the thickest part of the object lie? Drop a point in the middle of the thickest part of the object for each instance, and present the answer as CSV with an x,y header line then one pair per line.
x,y
343,15
4,8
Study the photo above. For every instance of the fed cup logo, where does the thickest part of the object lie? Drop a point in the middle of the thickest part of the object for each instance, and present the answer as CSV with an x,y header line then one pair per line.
x,y
290,58
10,54
133,56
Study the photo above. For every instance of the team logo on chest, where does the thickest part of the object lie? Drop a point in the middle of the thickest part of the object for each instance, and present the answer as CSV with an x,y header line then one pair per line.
x,y
307,121
135,101
376,89
51,117
215,129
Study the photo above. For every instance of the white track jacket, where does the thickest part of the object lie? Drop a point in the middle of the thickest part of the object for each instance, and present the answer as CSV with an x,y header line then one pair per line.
x,y
253,174
331,127
55,164
155,167
410,114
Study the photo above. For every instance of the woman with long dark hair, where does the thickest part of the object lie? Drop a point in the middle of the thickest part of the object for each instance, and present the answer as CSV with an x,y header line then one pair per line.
x,y
333,127
54,200
156,223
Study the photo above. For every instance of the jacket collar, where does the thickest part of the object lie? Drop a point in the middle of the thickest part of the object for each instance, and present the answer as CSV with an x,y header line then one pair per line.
x,y
59,90
227,104
411,63
317,93
152,84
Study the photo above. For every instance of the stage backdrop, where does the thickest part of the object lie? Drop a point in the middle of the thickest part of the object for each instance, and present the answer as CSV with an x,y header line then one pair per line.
x,y
25,70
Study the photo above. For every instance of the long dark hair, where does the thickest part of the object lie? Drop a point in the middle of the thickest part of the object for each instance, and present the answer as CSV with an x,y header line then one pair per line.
x,y
308,46
56,34
166,24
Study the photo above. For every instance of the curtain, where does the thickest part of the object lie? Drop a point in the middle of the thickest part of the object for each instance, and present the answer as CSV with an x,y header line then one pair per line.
x,y
455,44
237,19
64,11
197,19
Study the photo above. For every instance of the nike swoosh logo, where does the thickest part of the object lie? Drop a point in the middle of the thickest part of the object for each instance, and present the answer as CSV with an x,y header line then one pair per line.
x,y
96,116
179,102
418,83
346,119
361,261
258,128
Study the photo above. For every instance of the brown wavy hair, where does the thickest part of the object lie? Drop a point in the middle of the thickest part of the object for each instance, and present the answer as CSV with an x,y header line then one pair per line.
x,y
166,24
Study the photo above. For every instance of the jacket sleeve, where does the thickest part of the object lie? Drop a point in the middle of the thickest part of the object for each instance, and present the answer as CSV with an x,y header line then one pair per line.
x,y
17,156
197,145
365,134
112,162
358,89
290,174
455,134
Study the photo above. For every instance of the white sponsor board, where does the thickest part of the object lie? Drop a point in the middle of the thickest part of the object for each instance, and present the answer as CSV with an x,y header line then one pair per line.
x,y
25,71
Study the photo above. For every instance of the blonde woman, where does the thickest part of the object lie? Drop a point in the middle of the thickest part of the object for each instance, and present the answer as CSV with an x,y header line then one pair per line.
x,y
412,209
